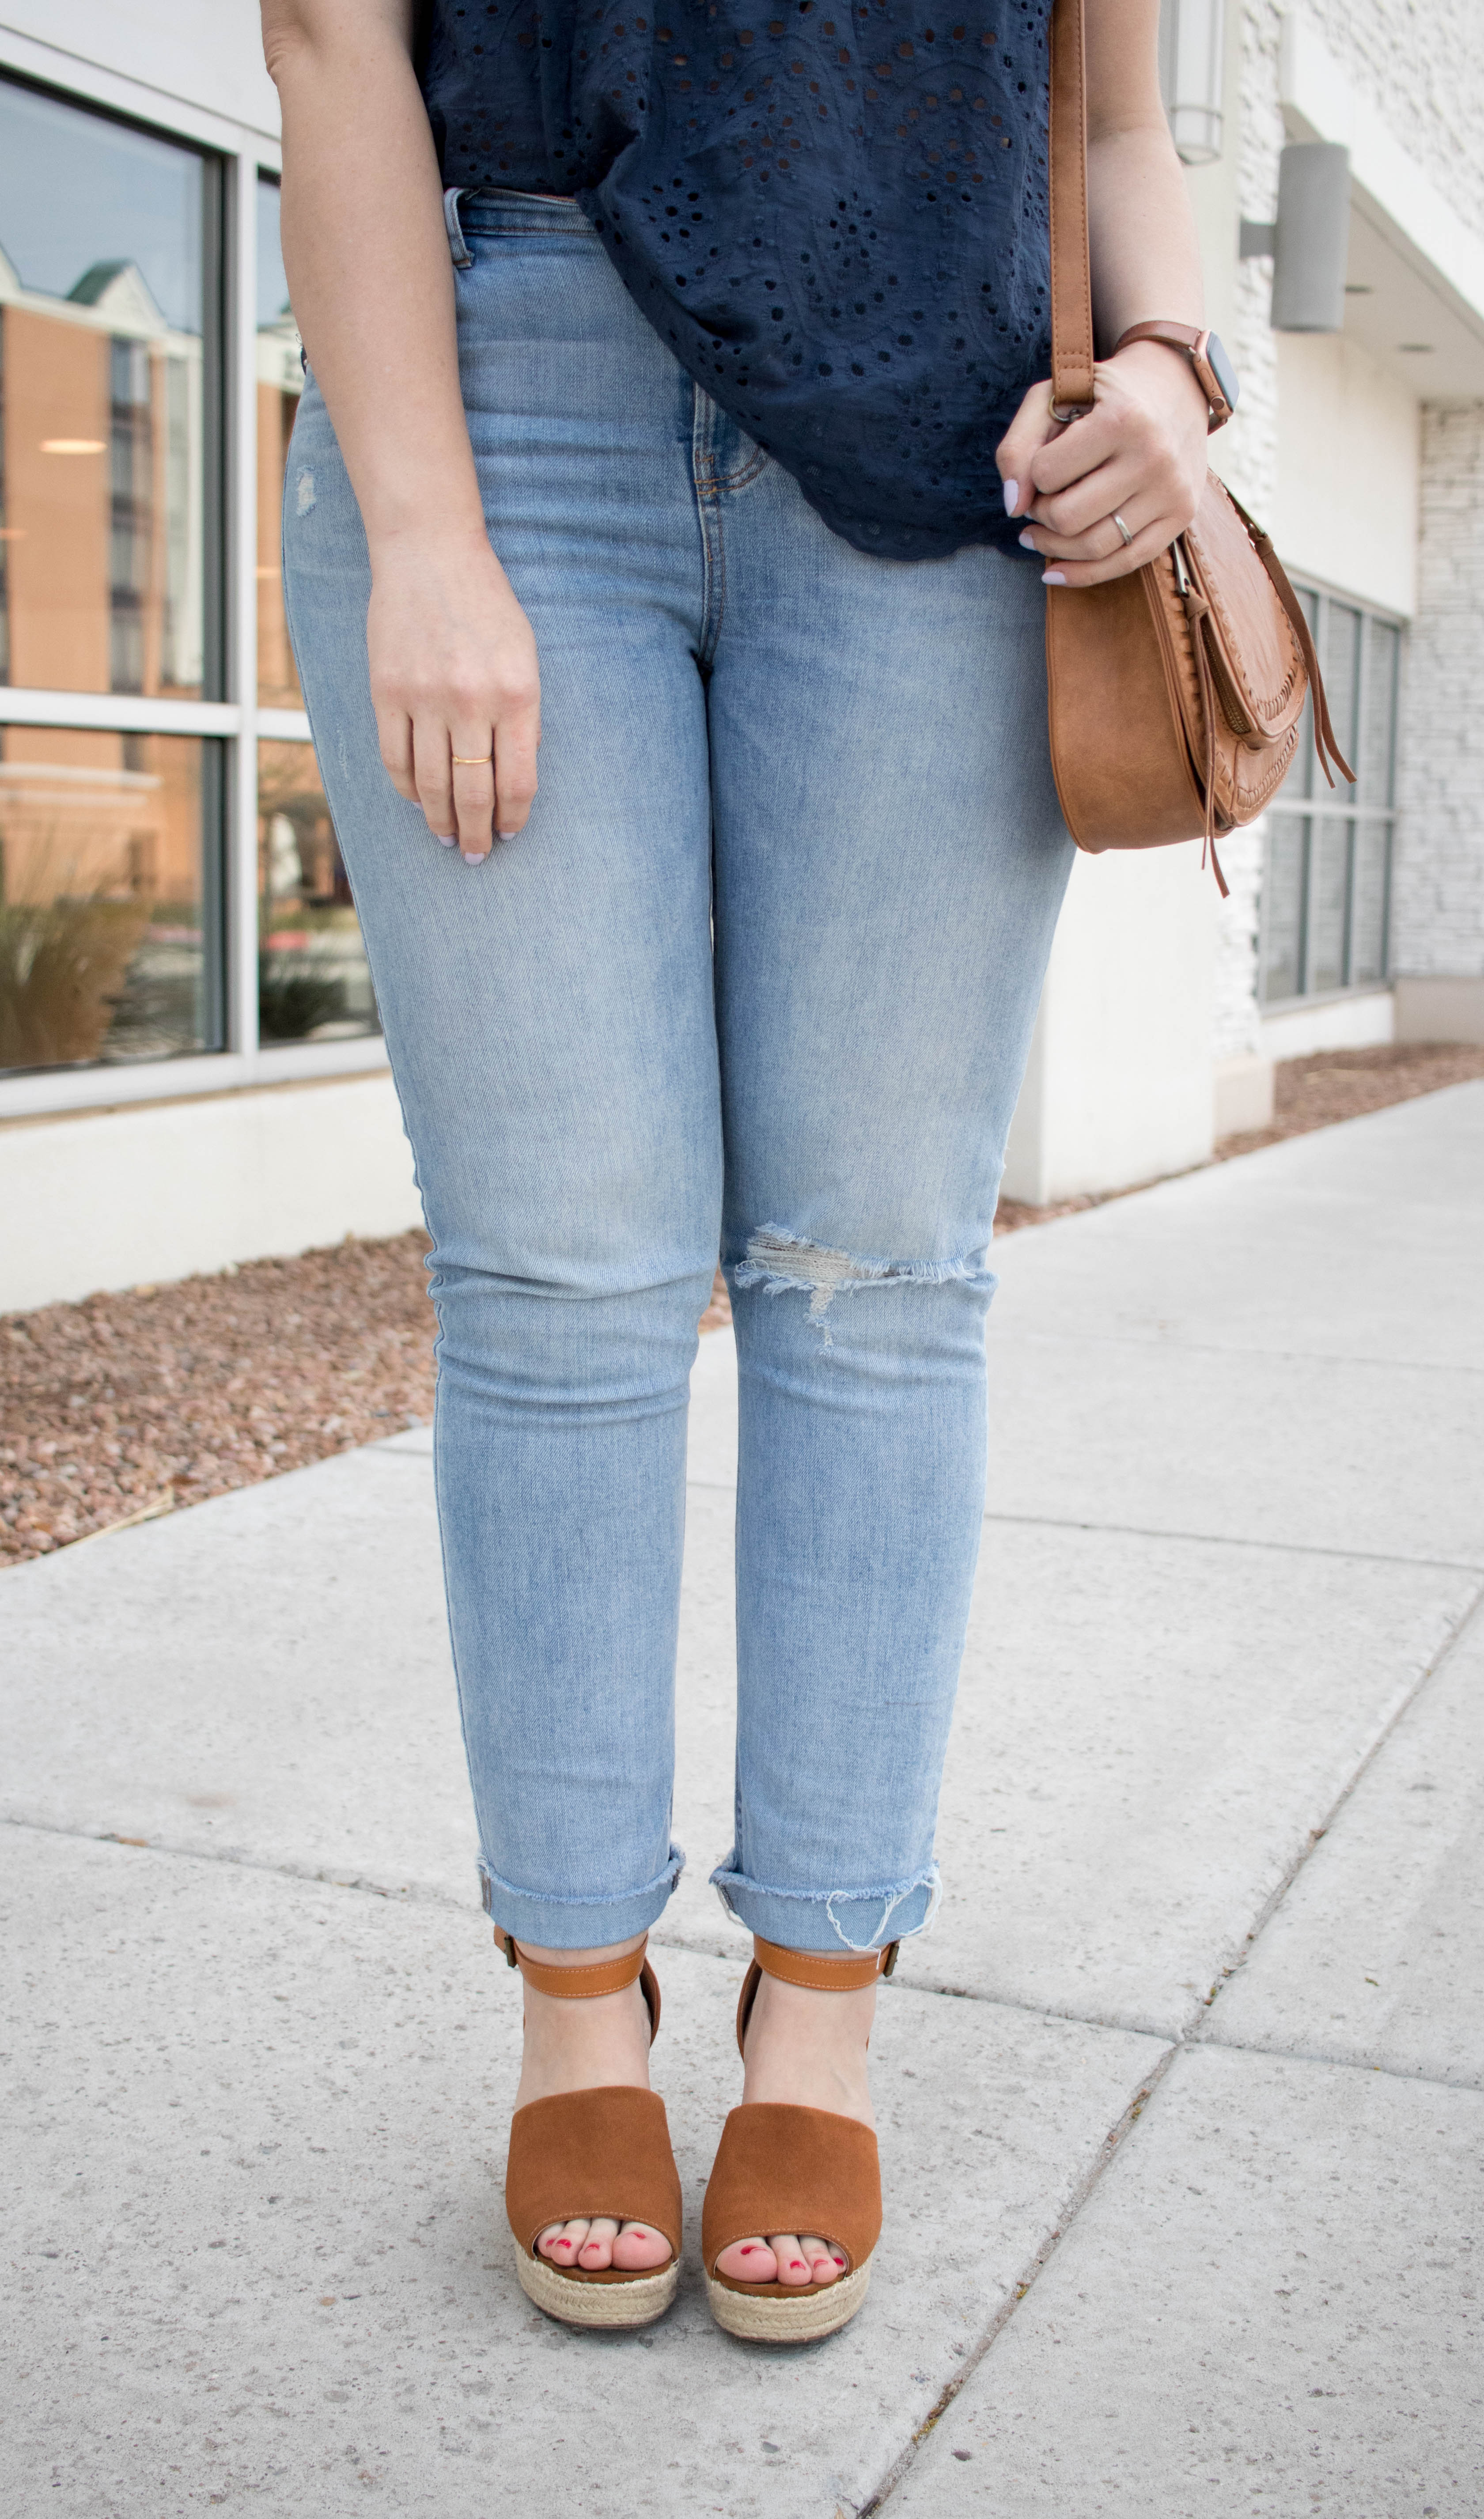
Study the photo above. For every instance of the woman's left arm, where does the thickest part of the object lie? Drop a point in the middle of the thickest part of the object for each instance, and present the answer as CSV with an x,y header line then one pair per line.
x,y
1140,450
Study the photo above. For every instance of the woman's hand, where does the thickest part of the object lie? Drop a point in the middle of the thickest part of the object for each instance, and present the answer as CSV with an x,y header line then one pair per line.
x,y
1139,452
453,671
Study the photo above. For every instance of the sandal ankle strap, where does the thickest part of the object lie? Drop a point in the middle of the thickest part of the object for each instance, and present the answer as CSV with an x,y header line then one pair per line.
x,y
581,1984
574,1984
821,1972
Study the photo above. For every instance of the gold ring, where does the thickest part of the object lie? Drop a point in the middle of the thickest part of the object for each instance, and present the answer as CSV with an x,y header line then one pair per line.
x,y
1123,528
481,760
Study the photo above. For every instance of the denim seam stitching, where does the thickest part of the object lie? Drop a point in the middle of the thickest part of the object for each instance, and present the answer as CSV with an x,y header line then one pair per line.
x,y
748,474
702,473
664,1879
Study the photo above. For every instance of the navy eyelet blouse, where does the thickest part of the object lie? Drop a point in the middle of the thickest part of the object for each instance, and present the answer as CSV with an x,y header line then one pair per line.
x,y
835,212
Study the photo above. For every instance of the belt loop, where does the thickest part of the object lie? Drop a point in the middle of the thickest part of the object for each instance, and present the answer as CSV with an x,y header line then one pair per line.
x,y
462,258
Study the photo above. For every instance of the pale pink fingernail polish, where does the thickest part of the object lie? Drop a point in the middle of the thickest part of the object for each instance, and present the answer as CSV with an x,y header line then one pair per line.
x,y
447,839
1012,495
1027,542
507,835
473,857
1052,577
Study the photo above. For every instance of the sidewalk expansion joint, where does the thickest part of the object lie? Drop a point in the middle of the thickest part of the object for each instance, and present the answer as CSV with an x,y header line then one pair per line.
x,y
234,1859
1034,2267
1236,1539
1339,2063
1193,1538
1238,1355
1363,1767
1184,2045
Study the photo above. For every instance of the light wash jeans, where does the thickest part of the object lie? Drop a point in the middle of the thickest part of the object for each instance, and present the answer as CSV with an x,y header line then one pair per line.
x,y
760,973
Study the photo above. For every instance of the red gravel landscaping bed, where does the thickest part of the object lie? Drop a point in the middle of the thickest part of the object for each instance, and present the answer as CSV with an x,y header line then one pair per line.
x,y
127,1405
131,1404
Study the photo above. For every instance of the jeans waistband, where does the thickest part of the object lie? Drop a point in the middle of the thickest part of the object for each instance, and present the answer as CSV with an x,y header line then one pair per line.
x,y
502,213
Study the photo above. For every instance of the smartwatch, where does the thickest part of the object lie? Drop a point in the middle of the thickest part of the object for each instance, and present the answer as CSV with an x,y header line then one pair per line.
x,y
1214,372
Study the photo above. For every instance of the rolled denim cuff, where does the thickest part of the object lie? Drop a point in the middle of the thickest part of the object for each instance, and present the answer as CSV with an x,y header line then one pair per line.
x,y
829,1921
577,1923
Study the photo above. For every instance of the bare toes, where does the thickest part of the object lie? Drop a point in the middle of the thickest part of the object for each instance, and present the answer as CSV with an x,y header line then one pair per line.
x,y
560,2242
826,2265
748,2261
792,2264
638,2251
596,2251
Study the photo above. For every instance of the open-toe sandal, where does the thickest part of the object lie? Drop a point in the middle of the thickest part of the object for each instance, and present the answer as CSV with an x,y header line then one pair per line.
x,y
794,2169
590,2154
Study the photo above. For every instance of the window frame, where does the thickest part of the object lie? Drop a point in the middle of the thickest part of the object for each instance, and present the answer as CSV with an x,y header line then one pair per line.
x,y
1325,805
233,723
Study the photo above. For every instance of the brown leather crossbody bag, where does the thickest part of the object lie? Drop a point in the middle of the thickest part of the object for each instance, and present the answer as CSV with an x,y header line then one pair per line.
x,y
1175,694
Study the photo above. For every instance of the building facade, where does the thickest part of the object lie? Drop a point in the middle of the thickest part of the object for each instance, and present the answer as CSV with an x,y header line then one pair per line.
x,y
191,1068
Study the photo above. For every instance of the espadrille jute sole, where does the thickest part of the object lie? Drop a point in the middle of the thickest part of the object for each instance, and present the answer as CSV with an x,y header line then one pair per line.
x,y
764,2319
635,2302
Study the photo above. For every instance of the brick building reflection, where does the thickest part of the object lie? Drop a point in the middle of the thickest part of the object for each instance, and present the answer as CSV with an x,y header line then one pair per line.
x,y
101,588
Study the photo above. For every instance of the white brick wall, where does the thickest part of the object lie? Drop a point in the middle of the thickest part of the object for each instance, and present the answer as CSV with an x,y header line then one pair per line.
x,y
1247,455
1422,63
1438,879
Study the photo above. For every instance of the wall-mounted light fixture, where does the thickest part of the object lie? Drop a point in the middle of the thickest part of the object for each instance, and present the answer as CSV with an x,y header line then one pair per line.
x,y
1309,240
1192,36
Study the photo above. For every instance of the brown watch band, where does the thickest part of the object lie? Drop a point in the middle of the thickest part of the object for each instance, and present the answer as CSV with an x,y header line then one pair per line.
x,y
1192,341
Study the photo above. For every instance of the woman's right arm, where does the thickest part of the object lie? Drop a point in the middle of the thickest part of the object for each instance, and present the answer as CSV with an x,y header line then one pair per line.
x,y
453,660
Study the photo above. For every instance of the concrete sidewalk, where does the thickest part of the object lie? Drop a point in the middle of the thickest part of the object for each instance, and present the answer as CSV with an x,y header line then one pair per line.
x,y
1182,2101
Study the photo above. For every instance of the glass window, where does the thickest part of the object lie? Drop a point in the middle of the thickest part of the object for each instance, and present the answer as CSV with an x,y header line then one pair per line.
x,y
109,897
1326,879
105,281
279,384
313,979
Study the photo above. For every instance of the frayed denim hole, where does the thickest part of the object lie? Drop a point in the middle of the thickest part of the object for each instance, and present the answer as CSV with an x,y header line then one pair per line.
x,y
930,1881
784,1264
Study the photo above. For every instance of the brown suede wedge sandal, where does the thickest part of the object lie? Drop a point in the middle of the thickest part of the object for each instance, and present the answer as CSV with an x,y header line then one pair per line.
x,y
805,2170
600,2153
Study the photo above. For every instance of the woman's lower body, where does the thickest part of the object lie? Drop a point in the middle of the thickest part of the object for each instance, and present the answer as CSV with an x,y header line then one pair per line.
x,y
759,976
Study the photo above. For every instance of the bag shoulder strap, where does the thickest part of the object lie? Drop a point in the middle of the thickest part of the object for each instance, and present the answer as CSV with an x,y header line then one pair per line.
x,y
1071,343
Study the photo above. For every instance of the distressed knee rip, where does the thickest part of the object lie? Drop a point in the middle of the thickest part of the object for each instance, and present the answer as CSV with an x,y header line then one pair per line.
x,y
784,1264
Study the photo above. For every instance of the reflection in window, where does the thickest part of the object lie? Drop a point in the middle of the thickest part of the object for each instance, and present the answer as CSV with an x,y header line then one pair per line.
x,y
109,897
280,382
102,460
313,979
1326,879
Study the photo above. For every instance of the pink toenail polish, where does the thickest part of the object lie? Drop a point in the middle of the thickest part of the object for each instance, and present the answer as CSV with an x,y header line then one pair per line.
x,y
796,2266
752,2252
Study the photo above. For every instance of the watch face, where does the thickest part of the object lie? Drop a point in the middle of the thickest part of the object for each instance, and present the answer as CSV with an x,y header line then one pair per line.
x,y
1222,369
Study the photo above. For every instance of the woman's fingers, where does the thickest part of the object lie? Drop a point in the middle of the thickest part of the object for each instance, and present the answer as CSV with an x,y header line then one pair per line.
x,y
1099,538
471,750
518,738
1019,448
1119,561
394,737
433,776
1120,484
457,688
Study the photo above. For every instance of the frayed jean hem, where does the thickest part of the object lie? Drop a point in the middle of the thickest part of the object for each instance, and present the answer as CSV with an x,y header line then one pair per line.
x,y
558,1924
830,1922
